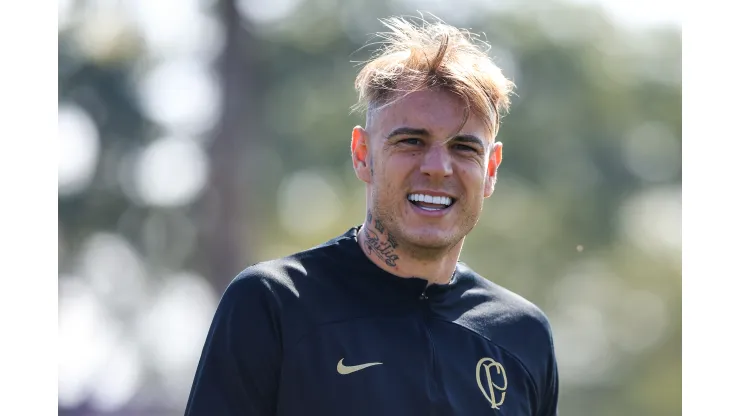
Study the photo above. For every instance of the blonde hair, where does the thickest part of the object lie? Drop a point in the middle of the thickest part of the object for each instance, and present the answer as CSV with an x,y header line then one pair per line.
x,y
434,55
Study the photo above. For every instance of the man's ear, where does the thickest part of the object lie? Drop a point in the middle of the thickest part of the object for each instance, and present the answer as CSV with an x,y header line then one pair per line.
x,y
360,154
494,161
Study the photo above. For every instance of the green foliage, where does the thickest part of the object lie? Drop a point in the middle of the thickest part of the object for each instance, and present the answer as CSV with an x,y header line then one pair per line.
x,y
559,229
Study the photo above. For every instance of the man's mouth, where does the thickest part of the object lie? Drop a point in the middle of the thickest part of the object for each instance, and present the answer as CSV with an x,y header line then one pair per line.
x,y
431,202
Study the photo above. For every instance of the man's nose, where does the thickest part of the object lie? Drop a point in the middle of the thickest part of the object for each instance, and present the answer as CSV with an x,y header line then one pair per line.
x,y
437,162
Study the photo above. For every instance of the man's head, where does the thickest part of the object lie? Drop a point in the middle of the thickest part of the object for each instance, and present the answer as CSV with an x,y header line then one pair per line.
x,y
434,101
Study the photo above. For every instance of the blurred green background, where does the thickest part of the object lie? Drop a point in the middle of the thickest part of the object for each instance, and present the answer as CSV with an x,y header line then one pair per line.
x,y
198,137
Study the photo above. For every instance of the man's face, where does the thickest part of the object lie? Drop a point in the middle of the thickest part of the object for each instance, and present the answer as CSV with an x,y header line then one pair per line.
x,y
426,181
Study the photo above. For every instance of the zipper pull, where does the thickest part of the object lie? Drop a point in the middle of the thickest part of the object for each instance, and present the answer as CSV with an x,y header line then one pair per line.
x,y
423,296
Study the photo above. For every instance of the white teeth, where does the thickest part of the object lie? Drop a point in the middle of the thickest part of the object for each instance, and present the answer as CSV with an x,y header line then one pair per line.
x,y
439,200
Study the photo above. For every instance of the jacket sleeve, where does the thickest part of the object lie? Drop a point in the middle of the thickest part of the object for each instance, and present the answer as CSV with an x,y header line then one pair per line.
x,y
239,367
550,389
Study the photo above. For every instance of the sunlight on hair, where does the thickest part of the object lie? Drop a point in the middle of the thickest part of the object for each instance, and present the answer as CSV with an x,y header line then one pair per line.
x,y
418,54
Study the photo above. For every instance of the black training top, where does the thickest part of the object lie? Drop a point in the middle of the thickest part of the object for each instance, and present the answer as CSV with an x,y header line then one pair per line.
x,y
327,332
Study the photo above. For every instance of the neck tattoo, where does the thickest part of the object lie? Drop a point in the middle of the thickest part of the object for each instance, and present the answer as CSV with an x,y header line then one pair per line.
x,y
381,243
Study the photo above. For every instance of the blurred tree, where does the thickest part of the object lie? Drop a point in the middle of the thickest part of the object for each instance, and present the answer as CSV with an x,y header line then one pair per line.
x,y
583,220
226,213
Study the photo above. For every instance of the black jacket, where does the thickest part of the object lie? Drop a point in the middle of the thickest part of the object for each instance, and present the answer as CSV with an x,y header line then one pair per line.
x,y
327,332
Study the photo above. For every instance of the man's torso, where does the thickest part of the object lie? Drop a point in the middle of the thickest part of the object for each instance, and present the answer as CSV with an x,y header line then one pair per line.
x,y
466,348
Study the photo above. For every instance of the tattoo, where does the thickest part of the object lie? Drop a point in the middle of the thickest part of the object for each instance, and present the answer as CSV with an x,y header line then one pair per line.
x,y
382,249
392,241
379,226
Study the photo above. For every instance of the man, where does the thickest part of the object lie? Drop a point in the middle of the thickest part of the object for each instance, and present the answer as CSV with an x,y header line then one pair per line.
x,y
384,319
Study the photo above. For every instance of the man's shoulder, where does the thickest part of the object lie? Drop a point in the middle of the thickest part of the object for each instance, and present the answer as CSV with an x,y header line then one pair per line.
x,y
285,275
493,309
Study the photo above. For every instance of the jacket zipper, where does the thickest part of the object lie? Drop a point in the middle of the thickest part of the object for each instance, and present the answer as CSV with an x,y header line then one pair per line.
x,y
424,316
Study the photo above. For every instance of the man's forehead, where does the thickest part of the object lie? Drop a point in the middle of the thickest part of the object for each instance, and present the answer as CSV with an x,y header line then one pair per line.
x,y
437,112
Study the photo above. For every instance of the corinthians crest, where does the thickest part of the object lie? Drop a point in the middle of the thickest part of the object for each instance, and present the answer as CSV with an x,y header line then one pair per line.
x,y
492,382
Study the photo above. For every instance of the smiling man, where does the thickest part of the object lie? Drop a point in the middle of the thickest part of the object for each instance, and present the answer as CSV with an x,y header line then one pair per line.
x,y
385,319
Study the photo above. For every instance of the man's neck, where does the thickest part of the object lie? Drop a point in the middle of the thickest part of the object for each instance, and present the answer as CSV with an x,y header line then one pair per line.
x,y
383,250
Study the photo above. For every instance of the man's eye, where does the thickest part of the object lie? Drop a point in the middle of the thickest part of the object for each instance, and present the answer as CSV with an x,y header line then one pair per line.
x,y
465,148
411,141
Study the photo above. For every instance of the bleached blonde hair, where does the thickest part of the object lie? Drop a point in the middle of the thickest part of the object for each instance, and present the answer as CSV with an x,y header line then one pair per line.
x,y
437,56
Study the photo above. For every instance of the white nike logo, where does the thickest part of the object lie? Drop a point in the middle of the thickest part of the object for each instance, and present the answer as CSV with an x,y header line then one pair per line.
x,y
348,369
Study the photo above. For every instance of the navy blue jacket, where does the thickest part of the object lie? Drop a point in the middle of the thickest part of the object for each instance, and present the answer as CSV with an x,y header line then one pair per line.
x,y
327,332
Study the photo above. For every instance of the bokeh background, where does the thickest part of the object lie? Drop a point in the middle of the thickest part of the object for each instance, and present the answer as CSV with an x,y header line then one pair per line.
x,y
200,136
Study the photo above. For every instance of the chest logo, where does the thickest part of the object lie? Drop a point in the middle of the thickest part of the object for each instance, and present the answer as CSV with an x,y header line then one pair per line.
x,y
488,372
348,369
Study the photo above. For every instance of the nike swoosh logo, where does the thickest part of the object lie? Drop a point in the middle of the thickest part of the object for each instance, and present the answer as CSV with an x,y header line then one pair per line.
x,y
348,369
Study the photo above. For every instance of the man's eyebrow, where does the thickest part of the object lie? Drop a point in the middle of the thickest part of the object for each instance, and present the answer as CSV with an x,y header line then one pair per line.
x,y
468,138
410,131
460,138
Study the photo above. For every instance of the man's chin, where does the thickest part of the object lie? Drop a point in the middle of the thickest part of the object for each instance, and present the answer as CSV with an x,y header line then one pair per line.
x,y
430,237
